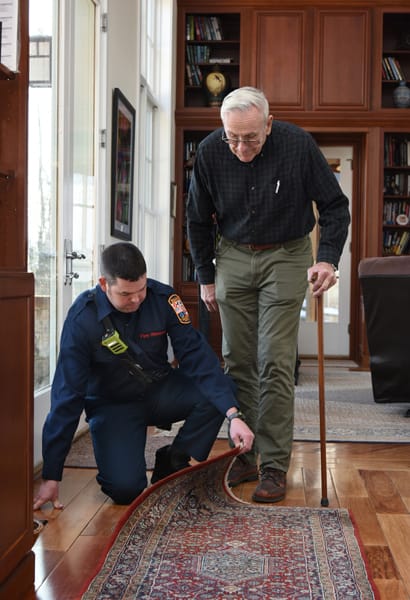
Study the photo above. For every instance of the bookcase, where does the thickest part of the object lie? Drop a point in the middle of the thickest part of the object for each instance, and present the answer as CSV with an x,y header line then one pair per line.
x,y
395,54
396,194
184,271
191,139
211,41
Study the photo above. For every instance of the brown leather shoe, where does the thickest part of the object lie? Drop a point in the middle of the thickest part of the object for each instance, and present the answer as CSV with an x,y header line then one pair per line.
x,y
242,470
272,486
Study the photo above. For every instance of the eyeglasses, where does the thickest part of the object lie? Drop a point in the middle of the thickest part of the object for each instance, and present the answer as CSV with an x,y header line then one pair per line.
x,y
235,141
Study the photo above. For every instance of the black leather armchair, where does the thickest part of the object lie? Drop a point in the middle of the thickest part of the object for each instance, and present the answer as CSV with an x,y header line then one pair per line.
x,y
385,284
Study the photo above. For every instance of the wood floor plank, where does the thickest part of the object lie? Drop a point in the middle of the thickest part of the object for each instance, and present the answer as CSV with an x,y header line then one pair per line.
x,y
45,562
70,522
313,488
401,480
391,589
105,520
72,484
348,483
396,529
365,517
77,565
381,562
382,492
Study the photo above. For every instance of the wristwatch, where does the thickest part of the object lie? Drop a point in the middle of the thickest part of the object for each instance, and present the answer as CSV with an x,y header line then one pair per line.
x,y
235,415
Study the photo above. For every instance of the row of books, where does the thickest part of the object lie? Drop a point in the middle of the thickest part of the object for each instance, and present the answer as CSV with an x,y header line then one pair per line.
x,y
397,184
200,28
396,151
391,210
391,69
198,54
202,54
194,74
396,242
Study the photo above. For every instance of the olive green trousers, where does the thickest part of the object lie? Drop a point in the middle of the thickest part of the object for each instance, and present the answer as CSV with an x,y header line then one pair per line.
x,y
260,295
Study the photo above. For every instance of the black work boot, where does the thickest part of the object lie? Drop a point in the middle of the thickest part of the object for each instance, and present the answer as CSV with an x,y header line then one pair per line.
x,y
168,460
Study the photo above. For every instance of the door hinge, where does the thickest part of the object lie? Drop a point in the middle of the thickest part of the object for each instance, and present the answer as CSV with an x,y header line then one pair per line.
x,y
104,22
103,138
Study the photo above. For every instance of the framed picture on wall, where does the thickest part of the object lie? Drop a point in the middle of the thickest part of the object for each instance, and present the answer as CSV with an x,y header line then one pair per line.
x,y
122,166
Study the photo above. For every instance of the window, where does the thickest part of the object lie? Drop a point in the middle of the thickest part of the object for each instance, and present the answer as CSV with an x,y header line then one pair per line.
x,y
42,183
154,144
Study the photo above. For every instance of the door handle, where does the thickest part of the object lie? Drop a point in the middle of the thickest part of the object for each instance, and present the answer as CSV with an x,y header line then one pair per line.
x,y
71,255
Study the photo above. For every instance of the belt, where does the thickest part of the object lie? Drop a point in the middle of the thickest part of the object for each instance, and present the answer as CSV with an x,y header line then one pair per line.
x,y
257,247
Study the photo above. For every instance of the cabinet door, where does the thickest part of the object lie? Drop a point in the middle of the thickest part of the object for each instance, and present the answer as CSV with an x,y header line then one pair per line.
x,y
341,60
280,66
16,434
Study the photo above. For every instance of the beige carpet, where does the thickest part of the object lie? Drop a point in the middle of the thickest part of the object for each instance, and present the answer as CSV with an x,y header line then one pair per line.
x,y
352,415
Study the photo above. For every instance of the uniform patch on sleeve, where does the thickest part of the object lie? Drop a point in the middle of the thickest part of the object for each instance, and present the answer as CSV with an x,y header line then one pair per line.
x,y
179,309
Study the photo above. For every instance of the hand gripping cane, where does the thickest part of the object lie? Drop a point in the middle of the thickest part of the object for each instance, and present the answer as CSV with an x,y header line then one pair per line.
x,y
322,413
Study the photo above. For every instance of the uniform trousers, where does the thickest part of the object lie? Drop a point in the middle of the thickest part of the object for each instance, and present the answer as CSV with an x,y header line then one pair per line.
x,y
260,295
119,431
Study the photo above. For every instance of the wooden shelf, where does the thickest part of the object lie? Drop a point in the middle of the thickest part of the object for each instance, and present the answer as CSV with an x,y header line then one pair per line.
x,y
396,45
209,37
396,193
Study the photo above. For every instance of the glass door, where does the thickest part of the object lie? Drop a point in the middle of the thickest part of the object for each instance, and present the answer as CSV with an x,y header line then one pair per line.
x,y
78,151
336,302
62,166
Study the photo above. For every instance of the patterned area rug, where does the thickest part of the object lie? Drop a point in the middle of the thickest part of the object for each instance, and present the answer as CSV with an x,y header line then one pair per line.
x,y
188,537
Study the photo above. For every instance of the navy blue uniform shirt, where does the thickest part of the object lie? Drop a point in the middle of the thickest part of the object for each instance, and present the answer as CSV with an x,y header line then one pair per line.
x,y
266,201
87,374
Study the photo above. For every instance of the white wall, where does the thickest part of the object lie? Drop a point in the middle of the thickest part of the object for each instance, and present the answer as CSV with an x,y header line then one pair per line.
x,y
122,72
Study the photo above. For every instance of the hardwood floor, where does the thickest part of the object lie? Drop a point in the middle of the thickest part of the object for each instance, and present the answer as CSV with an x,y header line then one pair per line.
x,y
372,480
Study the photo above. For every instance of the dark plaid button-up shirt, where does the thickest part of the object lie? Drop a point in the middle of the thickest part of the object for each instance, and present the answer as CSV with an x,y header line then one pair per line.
x,y
268,200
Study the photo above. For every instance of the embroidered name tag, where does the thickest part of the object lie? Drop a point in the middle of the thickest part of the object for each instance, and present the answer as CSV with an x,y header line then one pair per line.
x,y
179,309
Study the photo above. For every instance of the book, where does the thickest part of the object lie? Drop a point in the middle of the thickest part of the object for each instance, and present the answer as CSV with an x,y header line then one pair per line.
x,y
220,61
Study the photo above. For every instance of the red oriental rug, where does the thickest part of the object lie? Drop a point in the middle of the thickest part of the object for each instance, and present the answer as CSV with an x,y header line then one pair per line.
x,y
187,537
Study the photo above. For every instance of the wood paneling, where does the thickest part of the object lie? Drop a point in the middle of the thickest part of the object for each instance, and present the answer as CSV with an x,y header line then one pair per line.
x,y
13,158
280,58
342,68
16,426
17,333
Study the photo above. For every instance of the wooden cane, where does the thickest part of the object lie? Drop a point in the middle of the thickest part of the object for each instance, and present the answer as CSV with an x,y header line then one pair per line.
x,y
322,412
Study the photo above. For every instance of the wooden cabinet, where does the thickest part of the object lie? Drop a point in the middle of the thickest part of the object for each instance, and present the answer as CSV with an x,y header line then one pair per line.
x,y
313,59
396,194
282,67
342,68
16,326
16,435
